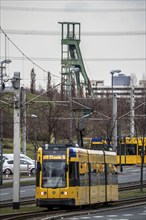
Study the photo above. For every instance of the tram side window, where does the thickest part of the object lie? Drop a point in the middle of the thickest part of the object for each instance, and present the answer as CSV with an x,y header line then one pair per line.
x,y
84,174
73,174
101,170
109,174
111,171
128,149
140,150
131,149
93,174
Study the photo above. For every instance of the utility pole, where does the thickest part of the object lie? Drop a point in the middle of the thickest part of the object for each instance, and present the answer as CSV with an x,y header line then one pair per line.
x,y
114,122
23,121
70,106
114,112
143,140
132,129
16,141
70,89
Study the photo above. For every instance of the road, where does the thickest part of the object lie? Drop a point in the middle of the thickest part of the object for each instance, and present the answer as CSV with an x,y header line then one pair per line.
x,y
129,174
136,213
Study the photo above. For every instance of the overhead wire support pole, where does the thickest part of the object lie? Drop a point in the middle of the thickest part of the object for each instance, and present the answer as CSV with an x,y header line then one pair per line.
x,y
114,122
114,112
132,127
1,131
23,120
16,141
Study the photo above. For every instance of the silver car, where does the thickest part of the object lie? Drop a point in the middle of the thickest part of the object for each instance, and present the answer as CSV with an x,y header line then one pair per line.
x,y
25,166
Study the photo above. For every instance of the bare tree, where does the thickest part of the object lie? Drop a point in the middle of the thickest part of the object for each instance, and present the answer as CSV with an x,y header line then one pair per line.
x,y
33,81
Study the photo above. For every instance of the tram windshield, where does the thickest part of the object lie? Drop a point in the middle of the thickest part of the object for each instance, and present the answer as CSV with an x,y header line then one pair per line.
x,y
54,174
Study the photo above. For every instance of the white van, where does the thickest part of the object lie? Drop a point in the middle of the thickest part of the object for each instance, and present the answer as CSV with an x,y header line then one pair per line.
x,y
22,156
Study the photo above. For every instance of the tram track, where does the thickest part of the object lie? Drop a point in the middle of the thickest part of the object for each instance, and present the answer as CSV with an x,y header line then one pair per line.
x,y
58,214
131,186
31,200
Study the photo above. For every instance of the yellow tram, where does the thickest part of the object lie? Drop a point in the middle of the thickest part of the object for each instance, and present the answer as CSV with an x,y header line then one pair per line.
x,y
129,150
71,176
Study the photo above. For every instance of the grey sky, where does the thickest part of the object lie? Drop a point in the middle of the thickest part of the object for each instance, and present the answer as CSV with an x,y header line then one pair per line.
x,y
113,35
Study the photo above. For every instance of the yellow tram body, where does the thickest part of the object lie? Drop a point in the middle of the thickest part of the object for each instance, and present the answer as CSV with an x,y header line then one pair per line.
x,y
129,151
83,176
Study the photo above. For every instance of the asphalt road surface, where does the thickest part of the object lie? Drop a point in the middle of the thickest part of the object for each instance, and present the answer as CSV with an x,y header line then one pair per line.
x,y
136,213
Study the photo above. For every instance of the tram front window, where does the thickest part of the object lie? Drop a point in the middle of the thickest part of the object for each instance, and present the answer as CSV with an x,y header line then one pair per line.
x,y
54,174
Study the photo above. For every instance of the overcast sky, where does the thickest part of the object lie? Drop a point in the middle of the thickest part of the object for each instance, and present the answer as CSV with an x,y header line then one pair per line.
x,y
113,36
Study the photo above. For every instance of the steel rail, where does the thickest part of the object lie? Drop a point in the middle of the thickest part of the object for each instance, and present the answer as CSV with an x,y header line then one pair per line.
x,y
31,200
58,214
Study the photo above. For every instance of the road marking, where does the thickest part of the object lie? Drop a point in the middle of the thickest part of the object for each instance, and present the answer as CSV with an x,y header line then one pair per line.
x,y
142,213
121,219
99,216
3,194
126,215
134,171
84,217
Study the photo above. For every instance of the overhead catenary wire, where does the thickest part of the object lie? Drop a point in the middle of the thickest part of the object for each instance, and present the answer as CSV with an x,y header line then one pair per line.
x,y
84,33
79,0
68,10
45,92
56,59
28,58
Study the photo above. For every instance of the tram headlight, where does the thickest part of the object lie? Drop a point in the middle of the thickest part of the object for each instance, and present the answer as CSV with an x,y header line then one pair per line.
x,y
43,193
64,193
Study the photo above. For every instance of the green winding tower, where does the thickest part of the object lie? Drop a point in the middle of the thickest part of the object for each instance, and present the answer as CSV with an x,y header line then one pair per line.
x,y
73,73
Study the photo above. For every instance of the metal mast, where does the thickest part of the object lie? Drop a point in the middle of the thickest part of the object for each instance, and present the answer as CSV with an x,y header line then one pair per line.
x,y
71,58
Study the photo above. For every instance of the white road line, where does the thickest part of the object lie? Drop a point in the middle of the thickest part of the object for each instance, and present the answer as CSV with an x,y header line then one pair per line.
x,y
132,171
126,215
84,217
3,194
121,219
22,191
99,216
142,213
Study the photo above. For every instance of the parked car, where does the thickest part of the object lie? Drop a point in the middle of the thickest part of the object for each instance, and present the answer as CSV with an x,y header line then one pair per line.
x,y
22,156
25,166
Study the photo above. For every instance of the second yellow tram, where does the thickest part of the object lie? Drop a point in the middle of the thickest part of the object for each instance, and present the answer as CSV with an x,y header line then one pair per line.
x,y
129,149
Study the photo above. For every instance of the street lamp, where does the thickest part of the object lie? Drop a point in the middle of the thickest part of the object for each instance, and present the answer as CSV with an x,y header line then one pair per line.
x,y
114,109
7,61
81,128
112,73
34,116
